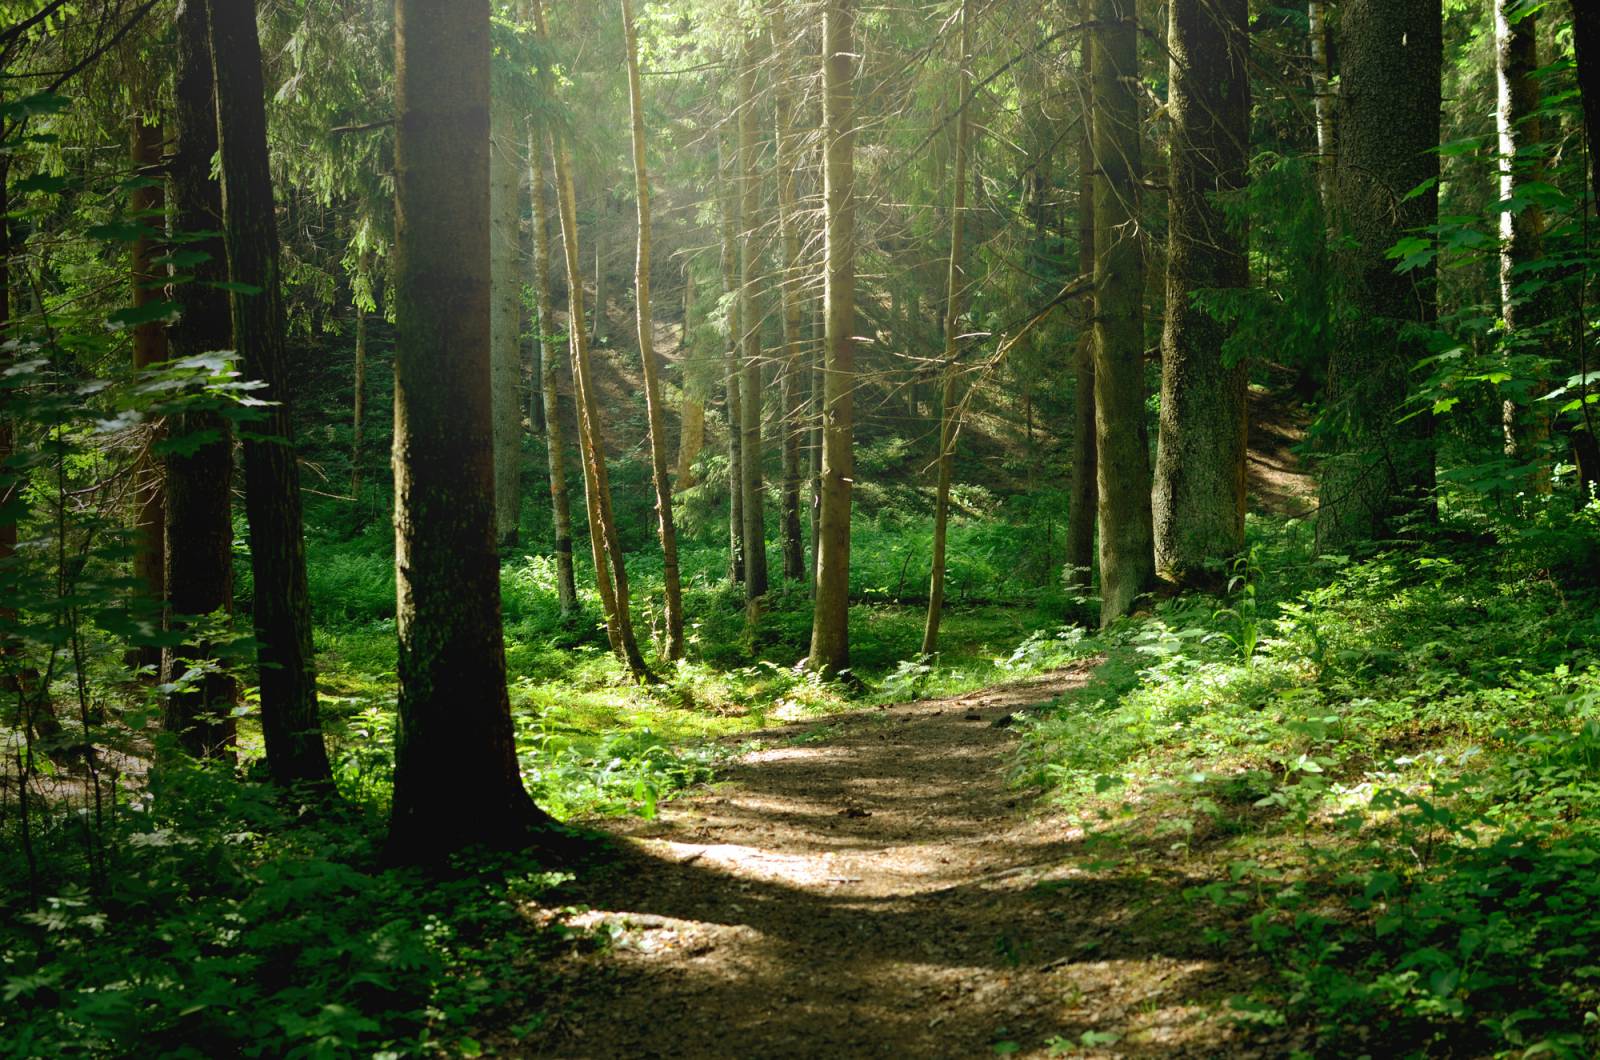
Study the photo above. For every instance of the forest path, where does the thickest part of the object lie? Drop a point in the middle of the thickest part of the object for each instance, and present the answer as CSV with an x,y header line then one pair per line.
x,y
870,885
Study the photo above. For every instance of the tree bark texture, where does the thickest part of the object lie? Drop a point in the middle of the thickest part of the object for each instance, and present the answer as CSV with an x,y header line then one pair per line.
x,y
1380,471
830,628
505,319
456,781
1525,425
1127,566
1585,436
1198,503
281,606
198,536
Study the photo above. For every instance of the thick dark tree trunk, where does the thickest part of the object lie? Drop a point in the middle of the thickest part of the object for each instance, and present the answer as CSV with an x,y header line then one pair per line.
x,y
281,606
199,502
1585,435
1199,497
456,779
792,426
505,207
1380,472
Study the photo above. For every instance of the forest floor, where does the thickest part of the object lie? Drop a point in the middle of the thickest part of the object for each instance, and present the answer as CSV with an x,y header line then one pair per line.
x,y
870,884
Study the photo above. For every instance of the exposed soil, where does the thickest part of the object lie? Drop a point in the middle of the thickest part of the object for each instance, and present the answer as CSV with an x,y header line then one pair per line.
x,y
871,885
1276,482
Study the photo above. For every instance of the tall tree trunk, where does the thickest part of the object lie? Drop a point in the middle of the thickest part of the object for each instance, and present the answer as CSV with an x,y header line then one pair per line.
x,y
730,375
1083,504
611,575
751,487
148,203
9,481
1322,95
794,548
554,433
456,778
199,508
358,409
814,420
692,415
1521,231
1127,565
1585,437
281,607
505,320
1381,470
830,627
672,591
597,334
955,285
1199,497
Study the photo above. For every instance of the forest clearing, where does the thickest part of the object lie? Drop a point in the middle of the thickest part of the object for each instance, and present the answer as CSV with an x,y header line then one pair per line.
x,y
799,528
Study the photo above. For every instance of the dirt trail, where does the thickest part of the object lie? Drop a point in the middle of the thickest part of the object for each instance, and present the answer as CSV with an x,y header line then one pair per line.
x,y
870,885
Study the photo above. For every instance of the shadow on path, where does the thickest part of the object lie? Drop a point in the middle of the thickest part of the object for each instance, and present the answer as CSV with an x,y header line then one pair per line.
x,y
881,891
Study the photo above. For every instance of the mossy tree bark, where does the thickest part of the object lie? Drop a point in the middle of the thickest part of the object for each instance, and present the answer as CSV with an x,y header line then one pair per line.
x,y
955,288
830,627
1127,566
199,504
281,604
1379,472
672,591
751,487
457,781
505,319
1199,498
549,390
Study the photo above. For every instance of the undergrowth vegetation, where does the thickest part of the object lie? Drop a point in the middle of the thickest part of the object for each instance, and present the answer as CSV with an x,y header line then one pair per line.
x,y
1388,769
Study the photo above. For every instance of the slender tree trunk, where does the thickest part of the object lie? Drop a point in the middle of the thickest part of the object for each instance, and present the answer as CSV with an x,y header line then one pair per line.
x,y
1321,95
814,419
597,334
750,479
1381,470
9,481
358,411
692,415
830,628
1521,232
794,549
281,606
607,546
199,508
148,203
505,321
1199,497
1585,437
456,777
1127,566
672,590
560,503
1084,502
955,284
730,376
